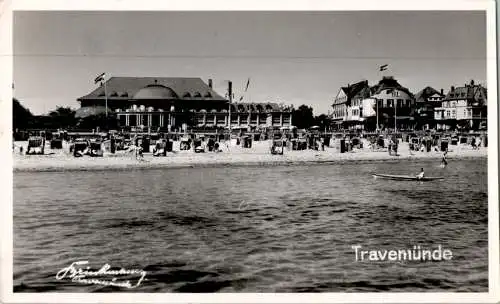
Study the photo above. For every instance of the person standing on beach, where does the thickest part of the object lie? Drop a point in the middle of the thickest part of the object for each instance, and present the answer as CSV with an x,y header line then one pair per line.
x,y
444,163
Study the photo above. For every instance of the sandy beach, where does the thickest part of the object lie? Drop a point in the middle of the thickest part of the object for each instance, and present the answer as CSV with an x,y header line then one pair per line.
x,y
62,160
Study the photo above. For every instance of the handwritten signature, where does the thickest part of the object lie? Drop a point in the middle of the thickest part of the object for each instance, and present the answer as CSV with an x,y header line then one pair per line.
x,y
87,276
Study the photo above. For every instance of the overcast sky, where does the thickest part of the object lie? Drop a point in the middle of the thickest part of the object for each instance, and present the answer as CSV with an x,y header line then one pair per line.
x,y
291,57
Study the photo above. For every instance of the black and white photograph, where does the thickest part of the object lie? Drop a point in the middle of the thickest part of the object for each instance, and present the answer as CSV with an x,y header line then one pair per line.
x,y
272,152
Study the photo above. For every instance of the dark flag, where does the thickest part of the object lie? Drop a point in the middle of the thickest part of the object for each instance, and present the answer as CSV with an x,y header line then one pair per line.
x,y
248,83
241,98
99,78
383,67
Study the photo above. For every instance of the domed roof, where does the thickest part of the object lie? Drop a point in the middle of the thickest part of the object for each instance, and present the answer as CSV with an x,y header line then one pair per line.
x,y
155,92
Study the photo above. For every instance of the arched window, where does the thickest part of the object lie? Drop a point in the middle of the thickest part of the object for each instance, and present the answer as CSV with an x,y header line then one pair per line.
x,y
197,94
208,95
186,95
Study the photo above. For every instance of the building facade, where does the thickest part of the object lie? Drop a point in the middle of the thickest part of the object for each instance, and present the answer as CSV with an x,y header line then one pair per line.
x,y
345,106
385,105
463,108
173,103
426,101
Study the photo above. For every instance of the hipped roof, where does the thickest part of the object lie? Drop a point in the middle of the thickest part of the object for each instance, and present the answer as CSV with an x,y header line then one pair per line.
x,y
127,87
426,93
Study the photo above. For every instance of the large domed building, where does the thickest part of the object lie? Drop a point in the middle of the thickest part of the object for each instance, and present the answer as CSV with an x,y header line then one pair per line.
x,y
171,102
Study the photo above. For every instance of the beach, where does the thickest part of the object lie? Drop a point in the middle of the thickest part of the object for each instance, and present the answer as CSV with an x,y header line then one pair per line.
x,y
231,155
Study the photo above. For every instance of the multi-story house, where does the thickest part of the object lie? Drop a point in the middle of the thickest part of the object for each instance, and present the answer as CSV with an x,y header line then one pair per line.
x,y
387,104
342,106
463,107
426,101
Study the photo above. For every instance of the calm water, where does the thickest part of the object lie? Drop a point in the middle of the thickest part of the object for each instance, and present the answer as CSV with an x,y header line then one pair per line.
x,y
254,229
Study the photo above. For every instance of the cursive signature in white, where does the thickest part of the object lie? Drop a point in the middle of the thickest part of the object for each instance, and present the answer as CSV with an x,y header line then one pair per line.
x,y
81,275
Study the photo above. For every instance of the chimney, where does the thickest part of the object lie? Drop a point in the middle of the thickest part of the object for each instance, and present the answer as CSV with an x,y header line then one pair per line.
x,y
210,85
452,88
442,91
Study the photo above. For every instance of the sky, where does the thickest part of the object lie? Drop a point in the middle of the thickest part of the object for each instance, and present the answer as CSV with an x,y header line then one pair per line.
x,y
290,57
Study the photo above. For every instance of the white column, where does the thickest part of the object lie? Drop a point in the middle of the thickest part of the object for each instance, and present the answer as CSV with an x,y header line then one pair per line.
x,y
204,118
150,120
127,120
281,119
238,119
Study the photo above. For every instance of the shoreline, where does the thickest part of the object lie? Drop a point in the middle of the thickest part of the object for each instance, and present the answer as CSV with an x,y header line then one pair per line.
x,y
238,157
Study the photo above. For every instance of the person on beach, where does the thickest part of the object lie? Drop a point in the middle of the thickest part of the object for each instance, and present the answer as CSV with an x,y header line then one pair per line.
x,y
473,143
443,160
421,174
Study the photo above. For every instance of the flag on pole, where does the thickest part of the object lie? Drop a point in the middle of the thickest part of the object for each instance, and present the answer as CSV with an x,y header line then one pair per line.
x,y
241,98
100,78
383,67
248,83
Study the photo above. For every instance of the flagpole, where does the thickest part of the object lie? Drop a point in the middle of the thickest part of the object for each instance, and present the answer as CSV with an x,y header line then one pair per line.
x,y
395,116
230,93
106,97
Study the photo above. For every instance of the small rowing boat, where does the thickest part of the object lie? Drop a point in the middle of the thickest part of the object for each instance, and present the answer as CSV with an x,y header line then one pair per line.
x,y
406,177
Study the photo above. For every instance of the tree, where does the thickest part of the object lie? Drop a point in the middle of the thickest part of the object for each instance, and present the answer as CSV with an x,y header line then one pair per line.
x,y
21,116
102,121
323,121
303,117
63,118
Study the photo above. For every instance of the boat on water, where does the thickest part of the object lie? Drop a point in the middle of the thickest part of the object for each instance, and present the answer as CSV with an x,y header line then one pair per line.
x,y
406,177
